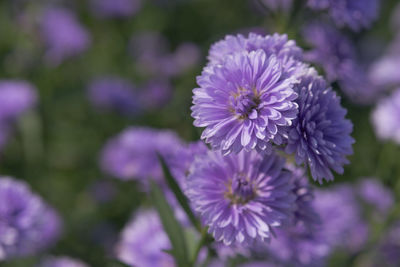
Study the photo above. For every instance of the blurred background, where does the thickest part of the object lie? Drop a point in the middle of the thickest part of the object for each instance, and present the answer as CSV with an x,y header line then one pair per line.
x,y
97,67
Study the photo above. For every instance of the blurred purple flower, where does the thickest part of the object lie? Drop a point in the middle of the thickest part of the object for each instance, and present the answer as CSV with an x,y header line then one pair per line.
x,y
16,97
374,193
61,261
27,224
299,246
304,211
113,93
336,54
342,224
320,135
241,197
115,8
63,35
186,56
155,94
132,154
244,102
385,117
356,14
390,247
143,240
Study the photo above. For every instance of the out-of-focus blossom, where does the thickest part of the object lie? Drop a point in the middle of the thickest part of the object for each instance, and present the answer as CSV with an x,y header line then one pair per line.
x,y
27,224
320,135
113,93
61,261
143,241
241,197
385,117
244,102
155,94
299,246
115,8
133,153
336,54
304,211
185,57
374,193
341,221
63,35
15,98
390,247
356,14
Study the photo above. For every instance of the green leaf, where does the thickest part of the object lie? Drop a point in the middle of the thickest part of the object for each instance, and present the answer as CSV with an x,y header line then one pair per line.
x,y
182,199
171,226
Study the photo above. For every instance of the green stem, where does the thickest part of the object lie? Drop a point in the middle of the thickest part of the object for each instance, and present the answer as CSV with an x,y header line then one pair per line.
x,y
200,244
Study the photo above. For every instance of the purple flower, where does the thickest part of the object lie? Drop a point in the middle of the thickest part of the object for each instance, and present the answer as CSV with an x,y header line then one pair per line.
x,y
320,135
113,93
155,94
27,224
356,14
374,193
115,8
241,197
244,102
63,34
286,51
143,241
385,117
185,57
61,261
299,246
304,211
133,153
342,225
336,54
390,246
15,98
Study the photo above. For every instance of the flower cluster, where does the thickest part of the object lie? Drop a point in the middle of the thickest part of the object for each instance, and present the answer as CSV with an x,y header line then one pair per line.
x,y
27,224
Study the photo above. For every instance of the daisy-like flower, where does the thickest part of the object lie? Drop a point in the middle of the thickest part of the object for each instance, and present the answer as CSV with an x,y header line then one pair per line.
x,y
320,135
244,102
241,197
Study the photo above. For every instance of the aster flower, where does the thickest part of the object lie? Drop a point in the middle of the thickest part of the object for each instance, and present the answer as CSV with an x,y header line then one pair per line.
x,y
113,93
243,102
320,135
16,97
115,8
385,117
62,261
155,94
133,153
63,35
304,211
143,241
241,197
27,224
356,14
337,55
374,193
342,227
299,246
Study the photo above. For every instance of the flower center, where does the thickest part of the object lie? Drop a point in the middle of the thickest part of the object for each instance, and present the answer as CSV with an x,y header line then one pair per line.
x,y
240,189
244,103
